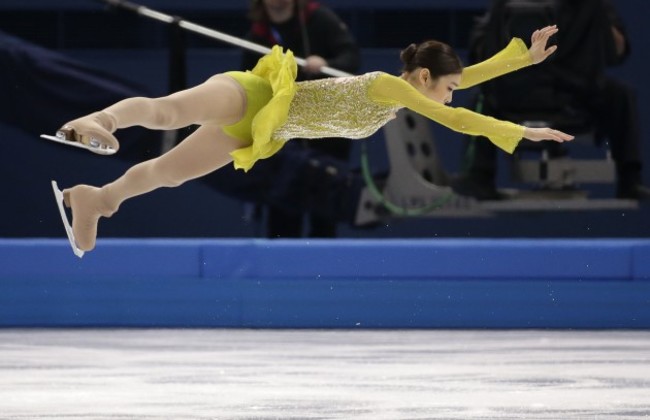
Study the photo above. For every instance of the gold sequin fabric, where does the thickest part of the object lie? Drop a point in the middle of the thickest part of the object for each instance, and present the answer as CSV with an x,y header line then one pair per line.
x,y
335,107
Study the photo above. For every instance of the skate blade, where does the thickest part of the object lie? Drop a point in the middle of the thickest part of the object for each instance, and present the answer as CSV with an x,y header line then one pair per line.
x,y
58,194
94,146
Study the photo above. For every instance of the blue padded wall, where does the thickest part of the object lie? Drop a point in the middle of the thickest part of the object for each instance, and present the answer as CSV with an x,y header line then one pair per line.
x,y
447,283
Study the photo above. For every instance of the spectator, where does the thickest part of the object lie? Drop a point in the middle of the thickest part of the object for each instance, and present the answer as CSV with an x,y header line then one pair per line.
x,y
314,32
593,38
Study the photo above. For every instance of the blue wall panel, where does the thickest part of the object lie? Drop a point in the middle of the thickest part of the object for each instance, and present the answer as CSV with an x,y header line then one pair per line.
x,y
327,284
641,262
149,258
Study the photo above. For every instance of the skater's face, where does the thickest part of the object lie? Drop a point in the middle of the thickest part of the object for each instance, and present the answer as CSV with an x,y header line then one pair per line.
x,y
279,11
442,88
439,89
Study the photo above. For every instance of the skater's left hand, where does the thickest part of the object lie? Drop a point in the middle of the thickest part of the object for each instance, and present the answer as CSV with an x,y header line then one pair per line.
x,y
538,51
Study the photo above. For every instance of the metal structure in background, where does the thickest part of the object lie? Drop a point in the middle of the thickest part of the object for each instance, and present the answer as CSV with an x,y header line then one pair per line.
x,y
417,182
210,33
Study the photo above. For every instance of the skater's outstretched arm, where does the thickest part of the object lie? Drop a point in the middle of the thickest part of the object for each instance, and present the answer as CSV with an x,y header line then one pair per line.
x,y
431,73
504,134
514,57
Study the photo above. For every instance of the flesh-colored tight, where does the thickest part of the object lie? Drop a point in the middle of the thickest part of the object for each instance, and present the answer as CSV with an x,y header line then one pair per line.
x,y
218,102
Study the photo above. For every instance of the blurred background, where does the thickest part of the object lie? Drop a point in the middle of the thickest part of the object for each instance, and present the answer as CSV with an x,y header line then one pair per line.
x,y
132,54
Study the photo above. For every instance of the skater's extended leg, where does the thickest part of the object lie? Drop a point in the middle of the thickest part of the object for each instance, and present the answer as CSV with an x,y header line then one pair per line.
x,y
204,151
220,100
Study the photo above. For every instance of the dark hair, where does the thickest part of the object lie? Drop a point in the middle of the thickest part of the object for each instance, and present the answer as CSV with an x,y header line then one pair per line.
x,y
257,11
436,56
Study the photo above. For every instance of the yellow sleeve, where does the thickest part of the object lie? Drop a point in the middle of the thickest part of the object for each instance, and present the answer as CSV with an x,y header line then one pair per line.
x,y
513,57
395,91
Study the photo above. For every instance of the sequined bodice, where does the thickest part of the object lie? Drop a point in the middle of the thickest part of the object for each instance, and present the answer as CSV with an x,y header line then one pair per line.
x,y
335,107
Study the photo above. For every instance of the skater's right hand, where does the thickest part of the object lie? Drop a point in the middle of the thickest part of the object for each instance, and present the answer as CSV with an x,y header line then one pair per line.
x,y
545,133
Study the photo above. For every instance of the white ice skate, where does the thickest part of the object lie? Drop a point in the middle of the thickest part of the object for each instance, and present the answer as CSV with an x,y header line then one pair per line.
x,y
58,194
66,136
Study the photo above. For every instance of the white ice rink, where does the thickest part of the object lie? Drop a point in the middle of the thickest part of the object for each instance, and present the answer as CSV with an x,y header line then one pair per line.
x,y
275,374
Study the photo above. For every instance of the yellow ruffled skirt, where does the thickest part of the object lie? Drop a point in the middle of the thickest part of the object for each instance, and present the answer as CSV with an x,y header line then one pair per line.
x,y
279,70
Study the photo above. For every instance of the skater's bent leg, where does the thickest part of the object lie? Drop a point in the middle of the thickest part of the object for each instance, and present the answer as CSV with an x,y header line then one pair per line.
x,y
204,151
218,101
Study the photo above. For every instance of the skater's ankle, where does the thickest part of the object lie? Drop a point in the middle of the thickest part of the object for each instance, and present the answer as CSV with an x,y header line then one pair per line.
x,y
108,202
106,120
96,197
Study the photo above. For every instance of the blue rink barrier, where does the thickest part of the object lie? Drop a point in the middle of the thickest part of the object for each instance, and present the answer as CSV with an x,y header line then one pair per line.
x,y
440,283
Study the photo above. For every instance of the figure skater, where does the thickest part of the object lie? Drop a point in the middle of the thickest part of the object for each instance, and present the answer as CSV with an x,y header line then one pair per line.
x,y
246,116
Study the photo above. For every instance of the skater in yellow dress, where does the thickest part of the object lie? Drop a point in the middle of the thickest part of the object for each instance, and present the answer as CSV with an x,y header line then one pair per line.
x,y
246,116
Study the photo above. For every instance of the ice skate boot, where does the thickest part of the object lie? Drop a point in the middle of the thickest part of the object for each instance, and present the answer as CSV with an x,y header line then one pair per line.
x,y
88,205
58,195
92,132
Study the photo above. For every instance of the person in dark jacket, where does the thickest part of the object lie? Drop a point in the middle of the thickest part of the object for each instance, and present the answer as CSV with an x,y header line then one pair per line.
x,y
575,79
316,33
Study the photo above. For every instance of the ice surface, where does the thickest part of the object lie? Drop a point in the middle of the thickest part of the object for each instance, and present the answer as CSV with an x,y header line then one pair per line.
x,y
336,374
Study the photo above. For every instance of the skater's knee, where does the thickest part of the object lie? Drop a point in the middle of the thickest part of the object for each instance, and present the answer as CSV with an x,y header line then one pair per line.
x,y
162,113
167,175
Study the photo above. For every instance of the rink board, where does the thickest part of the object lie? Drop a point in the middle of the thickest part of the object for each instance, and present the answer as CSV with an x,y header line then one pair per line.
x,y
441,283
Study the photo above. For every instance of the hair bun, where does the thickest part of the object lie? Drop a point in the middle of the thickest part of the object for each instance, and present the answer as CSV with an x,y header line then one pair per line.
x,y
408,53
